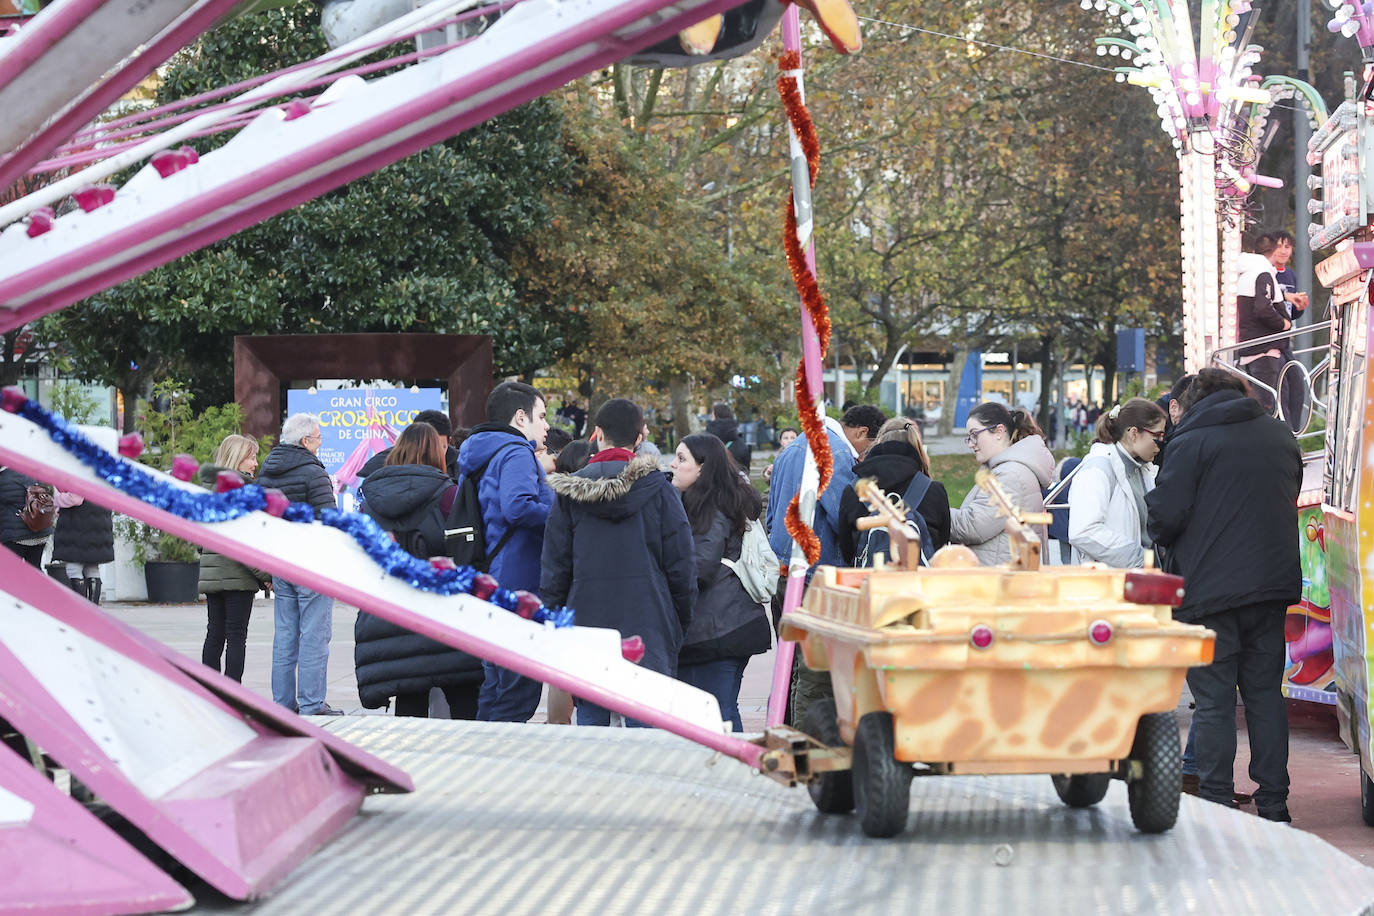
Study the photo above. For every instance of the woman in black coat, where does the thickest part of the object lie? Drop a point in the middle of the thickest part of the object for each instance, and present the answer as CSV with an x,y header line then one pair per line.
x,y
84,539
897,456
728,625
14,534
410,497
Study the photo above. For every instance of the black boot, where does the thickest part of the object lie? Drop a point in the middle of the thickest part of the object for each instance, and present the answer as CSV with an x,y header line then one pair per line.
x,y
93,589
78,586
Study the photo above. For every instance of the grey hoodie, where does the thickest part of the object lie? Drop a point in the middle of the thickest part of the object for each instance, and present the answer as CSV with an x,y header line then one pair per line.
x,y
1023,469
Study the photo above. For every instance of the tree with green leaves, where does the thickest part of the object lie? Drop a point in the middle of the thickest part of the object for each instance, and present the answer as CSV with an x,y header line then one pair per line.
x,y
423,245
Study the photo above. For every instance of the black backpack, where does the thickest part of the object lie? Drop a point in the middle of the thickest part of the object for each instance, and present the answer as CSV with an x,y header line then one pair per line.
x,y
878,539
465,537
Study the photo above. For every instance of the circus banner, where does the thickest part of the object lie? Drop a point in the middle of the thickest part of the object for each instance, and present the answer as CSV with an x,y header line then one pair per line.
x,y
357,423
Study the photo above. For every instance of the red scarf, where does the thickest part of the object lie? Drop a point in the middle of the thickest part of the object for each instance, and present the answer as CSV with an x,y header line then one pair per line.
x,y
612,454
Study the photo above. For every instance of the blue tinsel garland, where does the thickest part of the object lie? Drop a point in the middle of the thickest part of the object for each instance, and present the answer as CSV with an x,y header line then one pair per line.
x,y
134,480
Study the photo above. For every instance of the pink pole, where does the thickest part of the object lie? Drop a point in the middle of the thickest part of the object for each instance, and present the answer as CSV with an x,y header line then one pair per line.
x,y
811,361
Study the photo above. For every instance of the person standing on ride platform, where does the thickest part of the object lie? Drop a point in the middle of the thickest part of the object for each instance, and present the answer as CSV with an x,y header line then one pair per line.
x,y
515,500
1261,311
618,548
1225,508
1295,385
1107,500
1012,448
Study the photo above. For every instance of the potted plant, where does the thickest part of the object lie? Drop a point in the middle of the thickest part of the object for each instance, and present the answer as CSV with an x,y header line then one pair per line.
x,y
171,566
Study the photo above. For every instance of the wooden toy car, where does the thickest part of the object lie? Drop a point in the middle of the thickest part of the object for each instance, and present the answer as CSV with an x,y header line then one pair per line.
x,y
959,669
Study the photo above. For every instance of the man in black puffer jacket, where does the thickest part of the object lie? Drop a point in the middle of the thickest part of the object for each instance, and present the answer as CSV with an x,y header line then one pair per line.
x,y
1224,508
304,618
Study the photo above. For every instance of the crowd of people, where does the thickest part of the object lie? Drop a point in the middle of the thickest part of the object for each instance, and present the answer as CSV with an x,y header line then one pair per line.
x,y
1205,479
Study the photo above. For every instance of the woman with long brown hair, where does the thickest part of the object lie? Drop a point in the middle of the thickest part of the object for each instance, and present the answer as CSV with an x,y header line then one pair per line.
x,y
410,497
728,626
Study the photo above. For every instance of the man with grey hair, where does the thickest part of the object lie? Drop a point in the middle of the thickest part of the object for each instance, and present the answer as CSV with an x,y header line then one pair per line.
x,y
304,618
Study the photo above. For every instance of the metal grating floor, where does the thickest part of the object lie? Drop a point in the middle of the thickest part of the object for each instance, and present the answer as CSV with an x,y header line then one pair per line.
x,y
548,819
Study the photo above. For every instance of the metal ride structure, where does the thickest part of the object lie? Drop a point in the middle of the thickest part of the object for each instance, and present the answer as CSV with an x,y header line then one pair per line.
x,y
232,788
1217,110
1199,87
207,780
1344,150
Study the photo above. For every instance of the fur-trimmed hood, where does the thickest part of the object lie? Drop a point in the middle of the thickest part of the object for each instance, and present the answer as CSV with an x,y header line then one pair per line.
x,y
611,488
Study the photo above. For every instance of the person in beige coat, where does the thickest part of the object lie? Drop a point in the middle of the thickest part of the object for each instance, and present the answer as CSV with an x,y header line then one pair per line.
x,y
1009,444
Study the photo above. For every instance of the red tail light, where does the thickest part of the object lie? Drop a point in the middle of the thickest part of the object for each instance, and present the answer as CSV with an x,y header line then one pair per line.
x,y
1154,588
981,636
1100,632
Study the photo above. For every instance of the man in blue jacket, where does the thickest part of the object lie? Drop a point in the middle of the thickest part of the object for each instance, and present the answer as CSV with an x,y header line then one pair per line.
x,y
515,505
808,685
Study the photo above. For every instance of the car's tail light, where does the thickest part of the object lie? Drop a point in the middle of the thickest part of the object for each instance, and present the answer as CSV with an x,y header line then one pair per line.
x,y
981,636
1100,632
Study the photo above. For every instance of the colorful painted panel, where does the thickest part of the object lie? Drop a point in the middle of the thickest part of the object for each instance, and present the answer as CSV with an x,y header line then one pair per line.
x,y
1310,670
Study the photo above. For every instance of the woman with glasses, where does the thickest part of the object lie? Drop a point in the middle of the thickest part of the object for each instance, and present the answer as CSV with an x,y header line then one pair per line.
x,y
1107,512
1011,447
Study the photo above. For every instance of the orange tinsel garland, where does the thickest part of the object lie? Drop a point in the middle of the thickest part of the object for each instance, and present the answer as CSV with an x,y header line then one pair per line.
x,y
812,301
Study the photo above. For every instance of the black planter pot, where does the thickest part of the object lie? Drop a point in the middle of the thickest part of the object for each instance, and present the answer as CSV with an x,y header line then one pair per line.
x,y
172,583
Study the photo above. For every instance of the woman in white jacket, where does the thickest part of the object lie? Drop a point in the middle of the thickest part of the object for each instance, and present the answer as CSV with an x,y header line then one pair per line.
x,y
1009,444
1107,501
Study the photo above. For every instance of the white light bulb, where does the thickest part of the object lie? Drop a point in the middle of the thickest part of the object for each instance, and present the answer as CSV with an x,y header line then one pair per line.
x,y
1101,50
1114,50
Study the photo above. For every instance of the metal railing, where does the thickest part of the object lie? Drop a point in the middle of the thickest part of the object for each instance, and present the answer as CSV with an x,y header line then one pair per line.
x,y
1226,358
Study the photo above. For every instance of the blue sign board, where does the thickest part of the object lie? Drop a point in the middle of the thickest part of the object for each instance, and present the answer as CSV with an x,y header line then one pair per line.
x,y
1130,350
970,388
356,423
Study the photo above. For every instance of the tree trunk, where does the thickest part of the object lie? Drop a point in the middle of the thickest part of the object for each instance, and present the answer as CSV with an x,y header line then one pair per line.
x,y
680,395
956,374
1044,415
9,366
873,390
128,391
1107,358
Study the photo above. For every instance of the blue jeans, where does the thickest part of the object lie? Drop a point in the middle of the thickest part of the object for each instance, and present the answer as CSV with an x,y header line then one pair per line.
x,y
591,714
507,696
304,625
720,678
